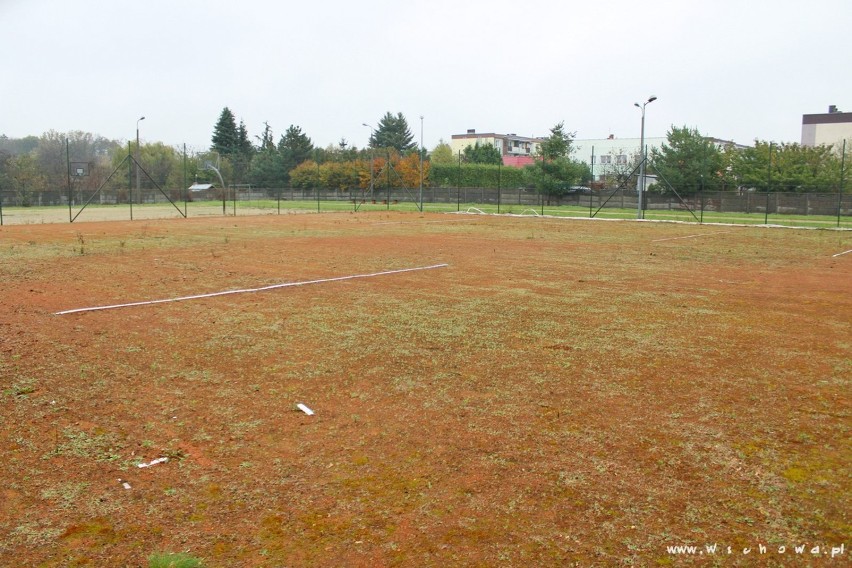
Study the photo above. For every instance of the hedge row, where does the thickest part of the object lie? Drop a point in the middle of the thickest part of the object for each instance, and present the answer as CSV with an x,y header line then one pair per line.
x,y
476,175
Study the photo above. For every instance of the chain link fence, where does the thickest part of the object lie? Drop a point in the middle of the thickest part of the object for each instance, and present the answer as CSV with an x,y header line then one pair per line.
x,y
123,200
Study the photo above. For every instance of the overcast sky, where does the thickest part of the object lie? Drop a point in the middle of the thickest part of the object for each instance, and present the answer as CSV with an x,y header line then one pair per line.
x,y
734,69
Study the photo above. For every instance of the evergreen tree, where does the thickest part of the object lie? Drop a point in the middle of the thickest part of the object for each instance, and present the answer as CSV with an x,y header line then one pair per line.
x,y
266,167
226,137
483,154
393,132
265,139
294,148
558,144
243,142
242,158
688,161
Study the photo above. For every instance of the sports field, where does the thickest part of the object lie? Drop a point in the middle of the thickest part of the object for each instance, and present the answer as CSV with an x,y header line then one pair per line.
x,y
538,392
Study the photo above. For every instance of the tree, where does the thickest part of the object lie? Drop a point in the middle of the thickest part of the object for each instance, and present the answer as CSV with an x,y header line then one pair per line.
x,y
555,172
687,161
266,169
558,144
244,145
244,153
26,178
408,170
294,147
50,158
442,154
306,175
393,132
794,167
15,146
226,137
482,154
555,178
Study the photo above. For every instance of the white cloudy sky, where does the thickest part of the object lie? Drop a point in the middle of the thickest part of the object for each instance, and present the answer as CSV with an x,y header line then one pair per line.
x,y
735,69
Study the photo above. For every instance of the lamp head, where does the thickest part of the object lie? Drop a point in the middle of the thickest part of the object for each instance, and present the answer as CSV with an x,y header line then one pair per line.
x,y
637,105
652,99
142,118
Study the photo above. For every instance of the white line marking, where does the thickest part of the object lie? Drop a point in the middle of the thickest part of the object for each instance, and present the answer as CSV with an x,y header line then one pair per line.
x,y
841,253
248,290
421,222
691,236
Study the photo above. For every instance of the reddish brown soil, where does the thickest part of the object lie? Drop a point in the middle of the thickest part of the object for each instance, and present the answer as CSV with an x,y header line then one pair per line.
x,y
562,393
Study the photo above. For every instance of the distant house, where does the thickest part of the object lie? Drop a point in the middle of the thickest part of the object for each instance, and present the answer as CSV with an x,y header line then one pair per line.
x,y
200,191
200,187
516,150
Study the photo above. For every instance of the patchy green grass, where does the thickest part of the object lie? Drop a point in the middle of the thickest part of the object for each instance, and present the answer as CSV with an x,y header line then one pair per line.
x,y
564,393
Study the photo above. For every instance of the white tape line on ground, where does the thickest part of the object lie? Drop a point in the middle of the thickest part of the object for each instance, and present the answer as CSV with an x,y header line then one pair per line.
x,y
841,253
691,236
248,290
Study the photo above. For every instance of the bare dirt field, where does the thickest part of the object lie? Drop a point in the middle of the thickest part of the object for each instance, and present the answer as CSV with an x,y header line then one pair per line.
x,y
561,393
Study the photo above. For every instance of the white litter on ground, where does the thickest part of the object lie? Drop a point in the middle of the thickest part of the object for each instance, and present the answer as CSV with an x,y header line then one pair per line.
x,y
154,462
305,409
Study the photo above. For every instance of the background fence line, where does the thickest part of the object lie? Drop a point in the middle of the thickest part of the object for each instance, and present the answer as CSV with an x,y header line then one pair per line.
x,y
17,207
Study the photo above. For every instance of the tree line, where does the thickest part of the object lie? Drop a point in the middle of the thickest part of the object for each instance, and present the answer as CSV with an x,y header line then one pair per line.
x,y
688,162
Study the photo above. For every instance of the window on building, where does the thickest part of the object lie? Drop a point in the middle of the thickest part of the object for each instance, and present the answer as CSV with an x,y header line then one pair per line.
x,y
621,159
606,159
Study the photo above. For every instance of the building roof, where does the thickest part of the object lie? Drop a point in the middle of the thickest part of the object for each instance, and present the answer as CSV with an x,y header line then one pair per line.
x,y
472,134
827,118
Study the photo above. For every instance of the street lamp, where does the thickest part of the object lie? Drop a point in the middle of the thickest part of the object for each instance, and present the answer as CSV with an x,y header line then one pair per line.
x,y
138,156
372,157
644,156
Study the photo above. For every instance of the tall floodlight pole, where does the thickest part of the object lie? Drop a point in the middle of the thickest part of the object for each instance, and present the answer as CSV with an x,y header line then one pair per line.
x,y
421,163
138,156
641,187
372,156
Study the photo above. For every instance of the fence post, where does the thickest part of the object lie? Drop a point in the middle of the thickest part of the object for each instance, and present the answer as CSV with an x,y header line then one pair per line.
x,y
68,173
499,179
840,190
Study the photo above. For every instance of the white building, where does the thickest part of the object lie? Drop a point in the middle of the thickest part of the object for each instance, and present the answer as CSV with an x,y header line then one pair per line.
x,y
606,156
830,128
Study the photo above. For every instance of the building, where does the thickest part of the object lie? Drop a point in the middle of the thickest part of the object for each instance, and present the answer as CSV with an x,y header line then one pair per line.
x,y
516,150
830,128
612,156
608,156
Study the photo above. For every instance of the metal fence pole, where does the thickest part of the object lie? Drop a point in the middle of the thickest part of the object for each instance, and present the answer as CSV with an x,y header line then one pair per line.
x,y
768,185
840,189
130,180
458,186
185,186
499,178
